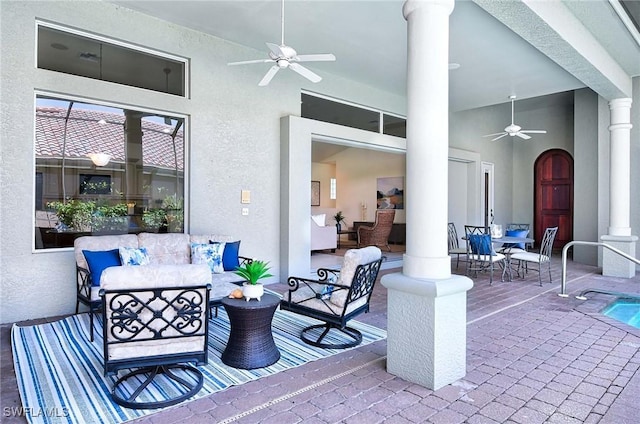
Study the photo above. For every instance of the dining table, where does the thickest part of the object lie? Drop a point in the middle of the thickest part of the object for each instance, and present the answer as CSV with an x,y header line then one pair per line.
x,y
510,240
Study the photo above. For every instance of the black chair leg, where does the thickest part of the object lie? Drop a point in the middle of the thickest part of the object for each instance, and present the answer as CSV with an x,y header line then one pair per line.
x,y
352,333
186,386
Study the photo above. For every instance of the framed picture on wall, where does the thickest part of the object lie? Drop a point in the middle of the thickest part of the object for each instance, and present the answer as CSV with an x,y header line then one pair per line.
x,y
390,194
315,193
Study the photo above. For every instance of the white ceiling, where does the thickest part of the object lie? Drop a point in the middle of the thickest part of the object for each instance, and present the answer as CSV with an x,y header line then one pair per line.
x,y
368,39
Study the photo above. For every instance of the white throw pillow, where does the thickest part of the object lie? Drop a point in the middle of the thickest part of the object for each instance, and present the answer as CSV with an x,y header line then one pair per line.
x,y
320,219
210,254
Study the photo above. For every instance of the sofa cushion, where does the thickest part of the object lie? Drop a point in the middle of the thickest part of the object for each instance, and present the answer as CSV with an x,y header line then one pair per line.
x,y
133,256
210,254
169,248
320,219
98,243
100,260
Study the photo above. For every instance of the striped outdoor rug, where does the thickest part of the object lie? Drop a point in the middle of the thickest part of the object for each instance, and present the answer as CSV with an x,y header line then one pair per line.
x,y
61,379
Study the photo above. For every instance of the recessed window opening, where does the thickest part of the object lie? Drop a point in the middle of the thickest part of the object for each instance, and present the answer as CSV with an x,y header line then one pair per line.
x,y
86,55
103,169
335,111
333,189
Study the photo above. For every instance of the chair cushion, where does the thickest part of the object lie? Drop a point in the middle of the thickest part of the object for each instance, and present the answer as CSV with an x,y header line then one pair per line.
x,y
530,257
98,261
169,248
133,256
516,233
210,254
353,258
481,244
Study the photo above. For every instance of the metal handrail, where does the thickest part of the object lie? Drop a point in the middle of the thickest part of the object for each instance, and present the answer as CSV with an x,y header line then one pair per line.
x,y
563,291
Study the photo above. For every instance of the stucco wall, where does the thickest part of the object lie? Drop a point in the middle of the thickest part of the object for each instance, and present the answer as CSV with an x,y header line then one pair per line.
x,y
234,131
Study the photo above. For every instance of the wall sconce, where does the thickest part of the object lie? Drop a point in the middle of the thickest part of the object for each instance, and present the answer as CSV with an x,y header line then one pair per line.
x,y
99,159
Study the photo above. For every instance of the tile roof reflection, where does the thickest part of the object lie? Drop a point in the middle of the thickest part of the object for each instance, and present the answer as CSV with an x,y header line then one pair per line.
x,y
86,135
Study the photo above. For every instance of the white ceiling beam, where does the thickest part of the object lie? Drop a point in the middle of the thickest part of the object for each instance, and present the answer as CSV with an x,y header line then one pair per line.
x,y
550,27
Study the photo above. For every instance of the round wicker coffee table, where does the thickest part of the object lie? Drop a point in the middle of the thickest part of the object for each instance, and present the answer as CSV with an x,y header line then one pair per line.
x,y
251,342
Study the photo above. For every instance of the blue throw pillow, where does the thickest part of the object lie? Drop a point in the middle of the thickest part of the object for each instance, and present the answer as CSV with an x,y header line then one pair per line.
x,y
230,255
481,244
516,233
98,261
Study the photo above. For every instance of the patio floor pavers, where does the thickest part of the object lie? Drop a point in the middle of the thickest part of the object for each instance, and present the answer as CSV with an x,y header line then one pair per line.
x,y
532,357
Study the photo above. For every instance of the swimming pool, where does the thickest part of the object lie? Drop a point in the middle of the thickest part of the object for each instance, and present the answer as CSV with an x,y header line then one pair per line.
x,y
624,310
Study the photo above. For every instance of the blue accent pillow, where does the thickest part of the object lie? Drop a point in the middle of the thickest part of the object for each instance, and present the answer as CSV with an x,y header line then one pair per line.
x,y
516,233
98,261
230,255
133,256
481,244
210,254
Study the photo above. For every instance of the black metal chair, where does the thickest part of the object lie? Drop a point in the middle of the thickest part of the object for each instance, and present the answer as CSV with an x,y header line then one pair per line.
x,y
336,297
154,333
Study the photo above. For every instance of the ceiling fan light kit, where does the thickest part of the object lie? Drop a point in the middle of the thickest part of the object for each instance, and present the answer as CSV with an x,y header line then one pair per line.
x,y
514,130
286,57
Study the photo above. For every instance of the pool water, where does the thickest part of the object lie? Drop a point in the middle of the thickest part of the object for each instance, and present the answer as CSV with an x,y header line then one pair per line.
x,y
624,310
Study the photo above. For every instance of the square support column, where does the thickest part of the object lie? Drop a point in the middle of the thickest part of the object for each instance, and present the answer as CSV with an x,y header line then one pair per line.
x,y
427,329
614,265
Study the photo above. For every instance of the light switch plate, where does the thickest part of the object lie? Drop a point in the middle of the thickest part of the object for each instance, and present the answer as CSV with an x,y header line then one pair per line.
x,y
245,196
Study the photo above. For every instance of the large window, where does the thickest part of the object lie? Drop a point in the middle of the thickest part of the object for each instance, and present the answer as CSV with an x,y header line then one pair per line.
x,y
105,170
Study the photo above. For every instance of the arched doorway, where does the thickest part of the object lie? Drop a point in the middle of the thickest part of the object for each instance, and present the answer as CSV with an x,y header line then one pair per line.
x,y
553,198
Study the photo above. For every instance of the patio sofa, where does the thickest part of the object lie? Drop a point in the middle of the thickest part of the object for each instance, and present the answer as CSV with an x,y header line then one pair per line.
x,y
161,249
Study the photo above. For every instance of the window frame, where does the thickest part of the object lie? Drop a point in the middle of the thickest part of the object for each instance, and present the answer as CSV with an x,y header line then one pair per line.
x,y
112,104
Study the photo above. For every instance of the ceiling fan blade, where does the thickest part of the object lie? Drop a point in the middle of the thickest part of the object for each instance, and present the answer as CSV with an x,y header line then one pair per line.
x,y
269,75
246,62
308,74
500,136
534,131
276,49
328,57
494,134
522,135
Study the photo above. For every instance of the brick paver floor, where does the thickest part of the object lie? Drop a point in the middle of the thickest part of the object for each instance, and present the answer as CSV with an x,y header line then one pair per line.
x,y
532,357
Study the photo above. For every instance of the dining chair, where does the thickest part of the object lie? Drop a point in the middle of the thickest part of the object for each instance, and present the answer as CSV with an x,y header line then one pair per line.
x,y
480,253
454,243
542,258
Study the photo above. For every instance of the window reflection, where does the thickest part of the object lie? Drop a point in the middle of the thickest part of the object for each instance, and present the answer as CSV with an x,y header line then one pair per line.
x,y
139,187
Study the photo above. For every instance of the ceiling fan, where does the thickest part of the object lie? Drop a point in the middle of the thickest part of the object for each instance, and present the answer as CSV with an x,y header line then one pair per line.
x,y
286,57
513,129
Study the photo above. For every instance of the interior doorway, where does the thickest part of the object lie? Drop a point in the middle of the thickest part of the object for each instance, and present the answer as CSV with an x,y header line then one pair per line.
x,y
487,193
553,200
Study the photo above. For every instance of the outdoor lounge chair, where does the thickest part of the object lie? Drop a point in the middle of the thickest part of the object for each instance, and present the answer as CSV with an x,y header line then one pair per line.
x,y
155,322
336,297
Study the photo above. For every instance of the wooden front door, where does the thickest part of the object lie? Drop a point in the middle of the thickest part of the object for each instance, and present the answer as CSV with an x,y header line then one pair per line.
x,y
553,201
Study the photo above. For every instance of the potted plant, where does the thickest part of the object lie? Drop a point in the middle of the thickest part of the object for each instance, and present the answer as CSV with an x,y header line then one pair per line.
x,y
253,271
174,207
111,219
339,218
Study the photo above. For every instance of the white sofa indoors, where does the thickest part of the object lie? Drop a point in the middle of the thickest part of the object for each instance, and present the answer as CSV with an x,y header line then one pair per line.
x,y
170,249
323,236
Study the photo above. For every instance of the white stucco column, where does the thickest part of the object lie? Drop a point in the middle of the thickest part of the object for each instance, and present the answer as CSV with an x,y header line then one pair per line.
x,y
426,325
619,192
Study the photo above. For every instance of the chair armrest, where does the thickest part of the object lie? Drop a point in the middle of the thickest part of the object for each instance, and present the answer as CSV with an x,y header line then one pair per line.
x,y
295,283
